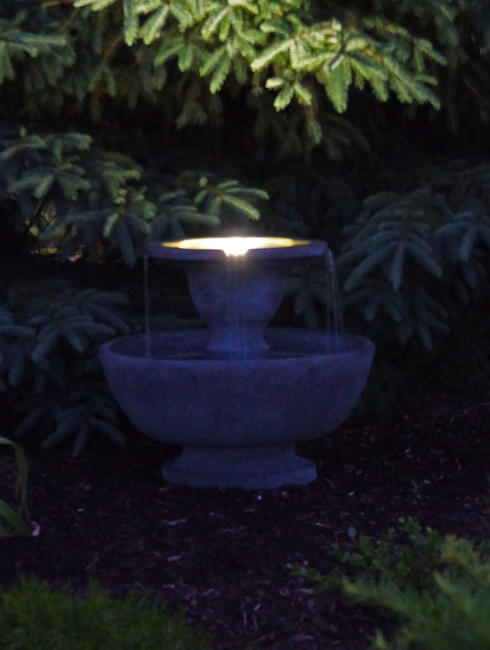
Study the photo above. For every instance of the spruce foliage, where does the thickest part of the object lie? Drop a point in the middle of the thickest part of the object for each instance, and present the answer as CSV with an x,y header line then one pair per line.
x,y
78,198
299,59
131,120
416,258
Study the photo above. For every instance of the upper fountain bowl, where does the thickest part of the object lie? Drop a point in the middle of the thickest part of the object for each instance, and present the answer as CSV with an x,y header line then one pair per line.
x,y
236,284
223,248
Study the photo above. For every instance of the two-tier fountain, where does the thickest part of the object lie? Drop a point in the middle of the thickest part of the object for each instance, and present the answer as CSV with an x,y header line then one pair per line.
x,y
238,395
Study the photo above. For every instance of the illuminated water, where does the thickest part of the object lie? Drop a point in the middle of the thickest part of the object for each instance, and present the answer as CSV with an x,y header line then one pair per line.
x,y
146,298
333,305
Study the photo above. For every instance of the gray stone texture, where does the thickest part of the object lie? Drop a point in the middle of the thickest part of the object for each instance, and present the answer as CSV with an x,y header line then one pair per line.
x,y
237,396
237,296
306,388
237,301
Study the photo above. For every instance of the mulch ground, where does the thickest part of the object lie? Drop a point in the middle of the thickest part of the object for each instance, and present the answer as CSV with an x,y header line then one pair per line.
x,y
223,554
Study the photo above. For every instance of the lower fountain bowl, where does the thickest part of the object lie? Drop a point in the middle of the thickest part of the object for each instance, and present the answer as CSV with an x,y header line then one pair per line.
x,y
238,419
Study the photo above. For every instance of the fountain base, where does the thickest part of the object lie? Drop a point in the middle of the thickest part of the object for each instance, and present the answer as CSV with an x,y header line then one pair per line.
x,y
237,419
261,467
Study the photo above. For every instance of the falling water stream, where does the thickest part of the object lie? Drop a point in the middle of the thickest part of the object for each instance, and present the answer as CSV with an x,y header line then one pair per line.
x,y
231,310
236,346
334,319
334,316
239,343
146,298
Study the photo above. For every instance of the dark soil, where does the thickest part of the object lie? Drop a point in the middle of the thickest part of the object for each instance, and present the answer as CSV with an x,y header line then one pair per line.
x,y
224,553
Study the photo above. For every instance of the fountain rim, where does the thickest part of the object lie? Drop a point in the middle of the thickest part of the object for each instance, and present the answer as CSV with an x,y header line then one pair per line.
x,y
296,249
362,344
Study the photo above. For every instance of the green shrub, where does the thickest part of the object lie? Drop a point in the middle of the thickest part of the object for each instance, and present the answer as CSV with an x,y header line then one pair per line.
x,y
65,196
49,335
33,617
110,105
15,520
412,260
290,63
437,587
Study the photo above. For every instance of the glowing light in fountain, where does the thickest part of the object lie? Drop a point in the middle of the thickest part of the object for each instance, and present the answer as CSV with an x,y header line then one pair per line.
x,y
235,246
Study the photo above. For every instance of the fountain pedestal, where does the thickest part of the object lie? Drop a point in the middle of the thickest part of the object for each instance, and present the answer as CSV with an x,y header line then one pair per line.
x,y
261,467
237,304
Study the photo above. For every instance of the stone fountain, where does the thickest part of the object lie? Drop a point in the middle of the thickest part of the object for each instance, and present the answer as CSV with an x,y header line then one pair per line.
x,y
238,395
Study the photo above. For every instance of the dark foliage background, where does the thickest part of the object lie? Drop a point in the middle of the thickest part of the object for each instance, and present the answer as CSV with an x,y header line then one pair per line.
x,y
365,124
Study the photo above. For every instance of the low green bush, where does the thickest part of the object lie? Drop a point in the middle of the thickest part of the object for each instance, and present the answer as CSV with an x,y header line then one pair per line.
x,y
14,520
34,617
437,587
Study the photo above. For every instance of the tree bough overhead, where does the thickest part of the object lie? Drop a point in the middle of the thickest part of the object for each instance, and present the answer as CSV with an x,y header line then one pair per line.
x,y
293,64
